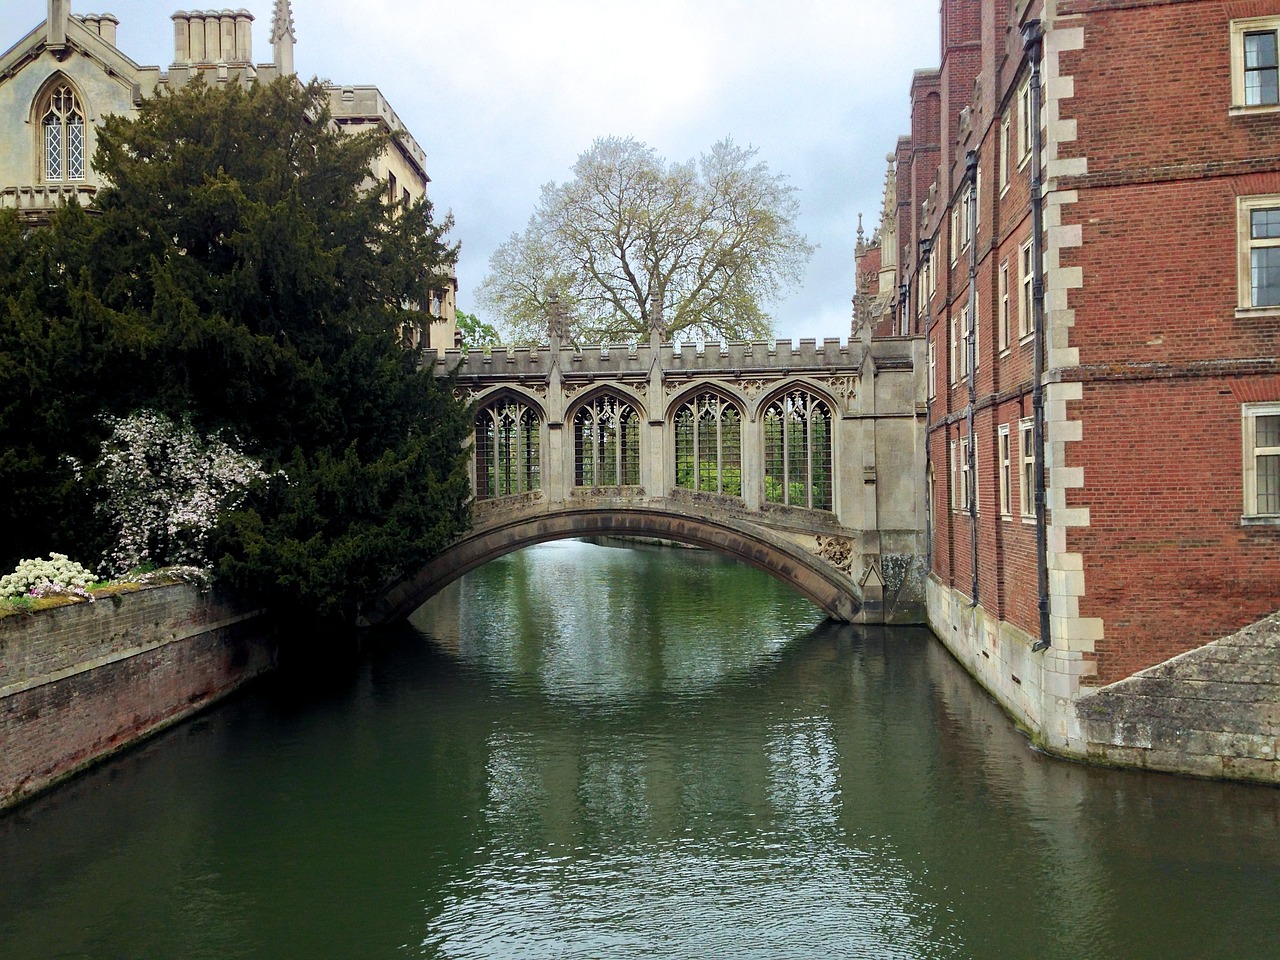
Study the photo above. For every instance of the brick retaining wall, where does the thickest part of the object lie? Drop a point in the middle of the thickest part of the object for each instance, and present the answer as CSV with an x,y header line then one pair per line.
x,y
80,682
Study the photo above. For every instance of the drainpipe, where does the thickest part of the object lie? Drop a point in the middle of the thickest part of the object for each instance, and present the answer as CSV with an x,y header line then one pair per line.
x,y
1033,44
904,308
971,351
926,250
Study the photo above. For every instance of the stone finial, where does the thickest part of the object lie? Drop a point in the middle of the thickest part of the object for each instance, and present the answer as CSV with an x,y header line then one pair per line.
x,y
555,319
283,37
657,322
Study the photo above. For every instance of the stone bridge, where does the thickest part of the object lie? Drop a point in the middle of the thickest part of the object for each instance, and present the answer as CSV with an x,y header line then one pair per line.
x,y
803,460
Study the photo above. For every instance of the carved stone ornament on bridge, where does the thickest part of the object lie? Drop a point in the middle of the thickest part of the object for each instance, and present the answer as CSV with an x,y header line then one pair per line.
x,y
846,388
838,551
752,388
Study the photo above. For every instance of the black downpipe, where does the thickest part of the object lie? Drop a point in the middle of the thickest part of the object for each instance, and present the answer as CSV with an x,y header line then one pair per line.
x,y
1032,44
971,351
926,250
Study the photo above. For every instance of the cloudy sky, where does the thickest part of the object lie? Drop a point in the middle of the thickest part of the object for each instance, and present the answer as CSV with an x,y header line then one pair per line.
x,y
505,94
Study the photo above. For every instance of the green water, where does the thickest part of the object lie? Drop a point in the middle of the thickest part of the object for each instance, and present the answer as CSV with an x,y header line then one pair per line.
x,y
584,751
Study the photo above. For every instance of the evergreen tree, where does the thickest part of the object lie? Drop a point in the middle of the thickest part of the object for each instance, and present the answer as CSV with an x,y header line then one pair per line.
x,y
244,273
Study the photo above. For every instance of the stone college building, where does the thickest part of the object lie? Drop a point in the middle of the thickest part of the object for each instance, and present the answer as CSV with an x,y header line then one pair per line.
x,y
66,74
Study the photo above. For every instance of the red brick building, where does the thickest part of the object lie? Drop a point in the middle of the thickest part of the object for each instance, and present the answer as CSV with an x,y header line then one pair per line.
x,y
1136,263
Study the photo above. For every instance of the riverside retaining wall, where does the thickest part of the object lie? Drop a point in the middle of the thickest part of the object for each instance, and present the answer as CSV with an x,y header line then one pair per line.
x,y
79,682
1211,712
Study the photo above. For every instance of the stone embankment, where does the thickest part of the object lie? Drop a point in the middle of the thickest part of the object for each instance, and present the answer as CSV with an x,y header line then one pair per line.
x,y
79,682
1211,712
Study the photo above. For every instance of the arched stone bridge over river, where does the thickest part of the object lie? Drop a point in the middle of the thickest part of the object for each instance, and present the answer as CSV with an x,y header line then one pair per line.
x,y
805,460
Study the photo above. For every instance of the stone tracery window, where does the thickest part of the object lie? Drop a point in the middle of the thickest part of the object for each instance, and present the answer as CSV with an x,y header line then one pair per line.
x,y
508,435
63,148
708,436
797,451
606,437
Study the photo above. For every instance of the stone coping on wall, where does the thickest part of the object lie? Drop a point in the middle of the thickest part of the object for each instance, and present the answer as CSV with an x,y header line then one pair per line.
x,y
1211,712
760,356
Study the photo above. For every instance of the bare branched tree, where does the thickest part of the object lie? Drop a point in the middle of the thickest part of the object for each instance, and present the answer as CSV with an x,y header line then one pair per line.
x,y
631,244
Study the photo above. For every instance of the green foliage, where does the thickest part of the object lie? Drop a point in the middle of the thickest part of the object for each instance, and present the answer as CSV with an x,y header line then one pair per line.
x,y
711,240
476,333
240,275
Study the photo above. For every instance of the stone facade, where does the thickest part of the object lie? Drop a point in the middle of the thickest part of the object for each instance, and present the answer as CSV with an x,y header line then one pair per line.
x,y
79,682
1214,711
67,74
849,534
1159,374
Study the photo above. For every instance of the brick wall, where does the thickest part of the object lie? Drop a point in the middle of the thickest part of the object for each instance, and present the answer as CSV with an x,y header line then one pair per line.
x,y
82,681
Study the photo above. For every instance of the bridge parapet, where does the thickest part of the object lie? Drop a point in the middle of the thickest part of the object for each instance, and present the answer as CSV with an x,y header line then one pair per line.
x,y
778,356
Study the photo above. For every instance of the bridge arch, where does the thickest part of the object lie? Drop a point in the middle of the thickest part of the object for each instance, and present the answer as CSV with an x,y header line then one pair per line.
x,y
826,585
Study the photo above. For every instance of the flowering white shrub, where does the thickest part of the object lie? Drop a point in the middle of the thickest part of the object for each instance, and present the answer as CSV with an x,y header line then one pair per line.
x,y
40,578
165,486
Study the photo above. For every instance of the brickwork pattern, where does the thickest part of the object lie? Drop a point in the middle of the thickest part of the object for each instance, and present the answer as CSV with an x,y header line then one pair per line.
x,y
78,683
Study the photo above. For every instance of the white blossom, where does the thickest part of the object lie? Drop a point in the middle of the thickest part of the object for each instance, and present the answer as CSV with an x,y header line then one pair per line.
x,y
165,486
40,578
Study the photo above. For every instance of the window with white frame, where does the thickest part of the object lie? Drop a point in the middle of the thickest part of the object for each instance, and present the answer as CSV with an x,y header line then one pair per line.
x,y
955,233
967,491
1255,68
1024,121
1258,251
1026,315
1261,423
933,268
933,368
63,145
1006,471
953,365
1002,321
955,476
1027,476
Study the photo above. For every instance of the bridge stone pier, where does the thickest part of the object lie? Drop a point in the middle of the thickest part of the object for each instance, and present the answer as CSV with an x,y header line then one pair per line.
x,y
805,460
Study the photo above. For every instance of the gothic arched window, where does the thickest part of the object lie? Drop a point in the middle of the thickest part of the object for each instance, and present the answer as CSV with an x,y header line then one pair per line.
x,y
62,121
508,435
606,438
709,445
797,451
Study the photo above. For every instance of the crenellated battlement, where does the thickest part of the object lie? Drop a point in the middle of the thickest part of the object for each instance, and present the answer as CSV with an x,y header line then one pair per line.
x,y
777,356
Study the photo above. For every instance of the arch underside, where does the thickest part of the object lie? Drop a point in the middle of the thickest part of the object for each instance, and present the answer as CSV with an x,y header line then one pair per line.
x,y
829,588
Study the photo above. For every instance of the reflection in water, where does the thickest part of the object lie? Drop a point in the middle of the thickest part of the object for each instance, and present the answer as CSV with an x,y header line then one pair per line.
x,y
610,752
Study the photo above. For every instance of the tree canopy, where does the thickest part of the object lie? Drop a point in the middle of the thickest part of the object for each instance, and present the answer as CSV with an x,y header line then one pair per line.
x,y
241,273
631,243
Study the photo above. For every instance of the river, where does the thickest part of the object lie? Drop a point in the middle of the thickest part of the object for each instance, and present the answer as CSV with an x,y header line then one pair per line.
x,y
592,751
